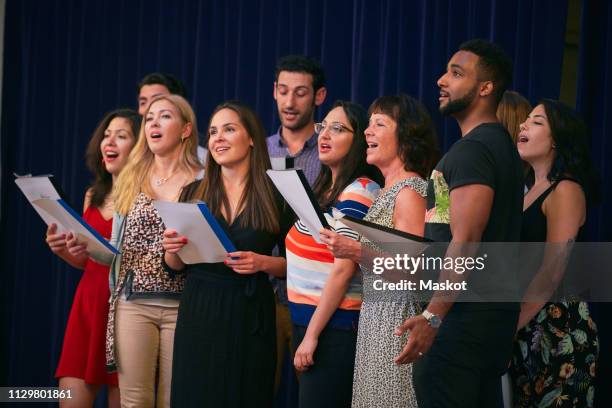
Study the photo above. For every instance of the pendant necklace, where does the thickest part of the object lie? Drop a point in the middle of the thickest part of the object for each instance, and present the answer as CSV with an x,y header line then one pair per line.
x,y
162,180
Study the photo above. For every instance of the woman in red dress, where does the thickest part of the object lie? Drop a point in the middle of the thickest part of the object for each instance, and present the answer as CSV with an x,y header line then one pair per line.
x,y
82,363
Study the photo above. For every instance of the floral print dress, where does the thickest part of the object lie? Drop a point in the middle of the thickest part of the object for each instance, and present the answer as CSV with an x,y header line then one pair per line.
x,y
555,358
555,354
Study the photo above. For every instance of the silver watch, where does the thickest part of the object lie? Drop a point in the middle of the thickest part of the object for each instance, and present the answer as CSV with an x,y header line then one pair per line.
x,y
432,319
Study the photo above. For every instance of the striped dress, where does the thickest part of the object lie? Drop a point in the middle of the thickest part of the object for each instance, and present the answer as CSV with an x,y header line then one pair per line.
x,y
309,263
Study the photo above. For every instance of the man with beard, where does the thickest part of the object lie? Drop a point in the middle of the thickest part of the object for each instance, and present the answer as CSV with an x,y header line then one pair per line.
x,y
475,194
298,90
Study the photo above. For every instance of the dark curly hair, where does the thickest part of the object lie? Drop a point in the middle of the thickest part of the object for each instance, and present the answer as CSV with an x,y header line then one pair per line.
x,y
416,134
572,156
354,164
174,85
301,63
102,183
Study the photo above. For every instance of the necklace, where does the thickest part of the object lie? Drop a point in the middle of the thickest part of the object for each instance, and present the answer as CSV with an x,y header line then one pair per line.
x,y
162,180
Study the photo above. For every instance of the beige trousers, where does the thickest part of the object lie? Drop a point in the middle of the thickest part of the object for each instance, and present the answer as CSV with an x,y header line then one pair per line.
x,y
144,336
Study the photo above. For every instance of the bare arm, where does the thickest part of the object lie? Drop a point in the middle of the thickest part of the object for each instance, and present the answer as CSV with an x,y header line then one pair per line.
x,y
409,212
335,288
565,211
470,208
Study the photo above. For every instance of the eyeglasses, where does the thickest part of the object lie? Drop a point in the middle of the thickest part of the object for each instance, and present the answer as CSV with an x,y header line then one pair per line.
x,y
334,128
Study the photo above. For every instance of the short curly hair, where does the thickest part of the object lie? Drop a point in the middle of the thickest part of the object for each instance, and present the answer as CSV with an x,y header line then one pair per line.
x,y
416,134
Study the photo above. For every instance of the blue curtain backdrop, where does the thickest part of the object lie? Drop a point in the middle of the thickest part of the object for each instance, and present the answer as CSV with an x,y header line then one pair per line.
x,y
594,87
67,62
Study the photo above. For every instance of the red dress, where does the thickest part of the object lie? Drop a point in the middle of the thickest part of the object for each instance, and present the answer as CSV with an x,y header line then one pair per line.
x,y
83,352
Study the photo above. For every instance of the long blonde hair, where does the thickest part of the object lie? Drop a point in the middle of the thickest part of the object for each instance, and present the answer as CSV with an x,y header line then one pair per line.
x,y
133,179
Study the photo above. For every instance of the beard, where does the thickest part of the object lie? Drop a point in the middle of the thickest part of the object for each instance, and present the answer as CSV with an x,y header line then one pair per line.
x,y
460,104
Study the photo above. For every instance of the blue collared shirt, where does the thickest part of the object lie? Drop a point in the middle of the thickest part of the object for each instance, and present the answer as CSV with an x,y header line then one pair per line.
x,y
306,159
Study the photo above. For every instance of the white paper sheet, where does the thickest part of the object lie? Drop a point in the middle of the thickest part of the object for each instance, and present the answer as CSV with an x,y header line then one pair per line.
x,y
293,187
206,243
47,202
281,163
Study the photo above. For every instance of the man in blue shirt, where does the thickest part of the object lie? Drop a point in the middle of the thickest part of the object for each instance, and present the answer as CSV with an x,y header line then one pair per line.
x,y
299,89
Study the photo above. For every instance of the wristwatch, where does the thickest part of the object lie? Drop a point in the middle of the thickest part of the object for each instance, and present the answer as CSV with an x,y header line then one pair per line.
x,y
432,319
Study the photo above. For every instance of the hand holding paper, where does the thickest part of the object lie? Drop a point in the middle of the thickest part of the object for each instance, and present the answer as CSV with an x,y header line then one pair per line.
x,y
341,246
47,202
172,242
245,262
294,187
55,240
76,247
193,234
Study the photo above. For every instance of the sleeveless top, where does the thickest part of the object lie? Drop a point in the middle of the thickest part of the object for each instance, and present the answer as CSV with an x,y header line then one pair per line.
x,y
534,221
381,213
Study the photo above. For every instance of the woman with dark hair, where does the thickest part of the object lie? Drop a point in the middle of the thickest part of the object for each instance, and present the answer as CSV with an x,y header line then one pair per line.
x,y
556,349
325,293
224,348
82,365
402,143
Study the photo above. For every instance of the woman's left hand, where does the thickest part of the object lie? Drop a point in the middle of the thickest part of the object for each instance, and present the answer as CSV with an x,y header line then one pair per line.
x,y
245,262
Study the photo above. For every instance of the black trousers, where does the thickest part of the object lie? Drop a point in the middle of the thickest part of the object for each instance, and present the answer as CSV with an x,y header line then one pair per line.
x,y
465,363
329,382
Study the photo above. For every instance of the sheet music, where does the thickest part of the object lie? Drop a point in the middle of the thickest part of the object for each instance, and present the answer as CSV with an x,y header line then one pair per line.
x,y
35,187
206,240
295,189
47,202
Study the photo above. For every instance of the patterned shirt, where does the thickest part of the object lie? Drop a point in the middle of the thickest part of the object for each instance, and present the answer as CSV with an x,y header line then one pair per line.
x,y
309,263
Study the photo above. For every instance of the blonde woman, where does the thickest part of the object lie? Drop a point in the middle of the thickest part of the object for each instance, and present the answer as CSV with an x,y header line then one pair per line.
x,y
144,298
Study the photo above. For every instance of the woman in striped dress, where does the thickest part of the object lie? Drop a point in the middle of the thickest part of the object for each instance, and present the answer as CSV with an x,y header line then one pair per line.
x,y
325,293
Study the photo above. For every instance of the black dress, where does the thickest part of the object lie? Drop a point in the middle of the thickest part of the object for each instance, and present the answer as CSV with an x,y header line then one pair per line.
x,y
225,339
555,355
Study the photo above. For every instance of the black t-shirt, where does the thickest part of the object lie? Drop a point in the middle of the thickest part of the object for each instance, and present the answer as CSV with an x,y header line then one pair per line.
x,y
486,155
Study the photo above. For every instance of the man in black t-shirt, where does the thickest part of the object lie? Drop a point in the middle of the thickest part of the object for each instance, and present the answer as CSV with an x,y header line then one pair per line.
x,y
474,195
